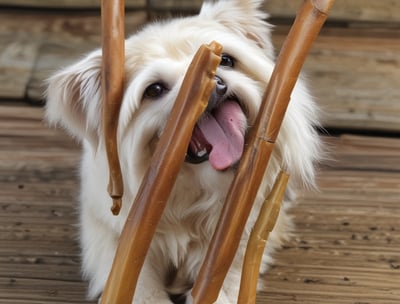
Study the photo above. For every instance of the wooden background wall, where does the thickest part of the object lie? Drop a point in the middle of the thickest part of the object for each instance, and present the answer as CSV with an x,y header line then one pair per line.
x,y
360,10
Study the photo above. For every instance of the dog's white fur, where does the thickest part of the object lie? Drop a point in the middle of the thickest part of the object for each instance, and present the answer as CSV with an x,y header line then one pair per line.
x,y
162,52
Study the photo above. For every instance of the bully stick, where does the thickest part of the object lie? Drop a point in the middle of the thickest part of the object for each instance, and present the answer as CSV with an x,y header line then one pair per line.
x,y
112,77
157,184
258,238
258,150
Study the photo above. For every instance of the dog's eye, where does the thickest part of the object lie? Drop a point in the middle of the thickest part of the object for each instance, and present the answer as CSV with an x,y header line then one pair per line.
x,y
155,90
227,60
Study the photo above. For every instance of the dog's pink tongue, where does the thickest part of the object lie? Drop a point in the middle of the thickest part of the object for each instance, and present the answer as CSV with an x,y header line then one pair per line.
x,y
224,131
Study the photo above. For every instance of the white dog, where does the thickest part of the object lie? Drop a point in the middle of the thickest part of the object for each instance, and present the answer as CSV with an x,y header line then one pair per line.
x,y
156,60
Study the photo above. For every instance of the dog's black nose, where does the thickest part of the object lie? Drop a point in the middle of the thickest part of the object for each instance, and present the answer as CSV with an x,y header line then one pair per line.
x,y
220,86
218,93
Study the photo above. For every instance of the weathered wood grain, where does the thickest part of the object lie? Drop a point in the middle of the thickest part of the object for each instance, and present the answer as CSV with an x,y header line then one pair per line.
x,y
360,10
34,44
45,291
70,4
354,75
360,88
346,248
39,251
51,58
17,60
356,10
364,153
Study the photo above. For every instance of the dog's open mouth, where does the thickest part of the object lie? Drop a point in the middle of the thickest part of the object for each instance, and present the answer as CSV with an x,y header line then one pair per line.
x,y
219,136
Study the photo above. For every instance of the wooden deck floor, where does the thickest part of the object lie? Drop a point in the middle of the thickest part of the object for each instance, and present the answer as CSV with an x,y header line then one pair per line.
x,y
346,248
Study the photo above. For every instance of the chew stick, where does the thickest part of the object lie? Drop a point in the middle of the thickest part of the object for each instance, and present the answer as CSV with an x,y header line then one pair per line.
x,y
112,78
258,238
157,184
258,150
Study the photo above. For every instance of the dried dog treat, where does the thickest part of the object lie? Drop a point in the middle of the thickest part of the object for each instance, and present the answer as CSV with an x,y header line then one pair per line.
x,y
112,77
258,238
157,184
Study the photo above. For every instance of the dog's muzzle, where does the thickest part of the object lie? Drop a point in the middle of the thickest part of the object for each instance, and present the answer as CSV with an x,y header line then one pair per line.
x,y
219,133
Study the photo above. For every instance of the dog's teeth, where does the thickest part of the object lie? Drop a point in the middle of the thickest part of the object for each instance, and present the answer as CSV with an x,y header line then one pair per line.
x,y
201,153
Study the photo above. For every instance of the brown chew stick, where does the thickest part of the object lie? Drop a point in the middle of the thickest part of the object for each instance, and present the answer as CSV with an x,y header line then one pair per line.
x,y
261,141
112,77
258,238
157,184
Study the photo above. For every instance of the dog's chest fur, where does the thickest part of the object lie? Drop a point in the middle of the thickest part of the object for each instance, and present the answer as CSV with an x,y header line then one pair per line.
x,y
188,222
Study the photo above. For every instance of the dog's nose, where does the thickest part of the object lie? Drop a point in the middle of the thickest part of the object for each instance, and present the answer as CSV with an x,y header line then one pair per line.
x,y
218,93
220,86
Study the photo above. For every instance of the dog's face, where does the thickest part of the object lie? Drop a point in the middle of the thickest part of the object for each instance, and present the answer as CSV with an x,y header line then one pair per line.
x,y
156,61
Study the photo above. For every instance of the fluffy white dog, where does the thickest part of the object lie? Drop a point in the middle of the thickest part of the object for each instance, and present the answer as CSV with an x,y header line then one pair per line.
x,y
157,58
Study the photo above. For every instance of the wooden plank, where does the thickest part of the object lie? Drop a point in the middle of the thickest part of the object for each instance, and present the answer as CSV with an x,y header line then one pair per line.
x,y
51,58
51,291
61,26
39,251
70,4
173,5
360,10
34,44
50,251
365,152
354,74
32,301
350,87
20,111
356,10
17,59
343,250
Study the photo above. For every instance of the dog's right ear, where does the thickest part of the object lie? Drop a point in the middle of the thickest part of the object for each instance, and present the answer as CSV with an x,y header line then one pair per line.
x,y
244,16
74,98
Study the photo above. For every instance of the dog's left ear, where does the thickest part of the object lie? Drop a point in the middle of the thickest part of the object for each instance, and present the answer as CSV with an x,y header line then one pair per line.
x,y
74,98
243,16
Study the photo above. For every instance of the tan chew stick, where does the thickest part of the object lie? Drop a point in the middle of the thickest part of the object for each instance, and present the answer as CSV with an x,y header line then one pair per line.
x,y
157,184
112,83
258,150
258,238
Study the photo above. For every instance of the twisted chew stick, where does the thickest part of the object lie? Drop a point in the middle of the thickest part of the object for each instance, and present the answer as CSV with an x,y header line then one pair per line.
x,y
112,77
258,239
157,184
261,141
